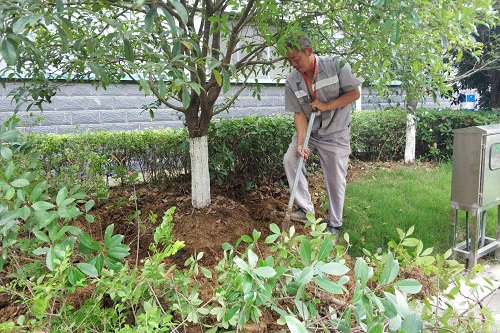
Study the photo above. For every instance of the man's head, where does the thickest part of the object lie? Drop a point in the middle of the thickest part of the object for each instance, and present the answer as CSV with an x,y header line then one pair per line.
x,y
300,54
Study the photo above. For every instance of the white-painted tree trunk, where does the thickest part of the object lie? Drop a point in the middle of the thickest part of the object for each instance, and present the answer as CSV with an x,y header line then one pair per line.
x,y
410,138
200,177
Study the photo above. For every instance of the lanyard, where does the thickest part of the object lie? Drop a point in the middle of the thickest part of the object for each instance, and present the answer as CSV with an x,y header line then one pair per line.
x,y
313,83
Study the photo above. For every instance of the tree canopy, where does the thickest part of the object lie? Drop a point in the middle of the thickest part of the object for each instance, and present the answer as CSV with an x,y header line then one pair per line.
x,y
186,53
482,72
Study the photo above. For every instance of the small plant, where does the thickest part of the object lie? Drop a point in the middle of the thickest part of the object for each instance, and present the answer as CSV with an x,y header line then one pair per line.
x,y
35,226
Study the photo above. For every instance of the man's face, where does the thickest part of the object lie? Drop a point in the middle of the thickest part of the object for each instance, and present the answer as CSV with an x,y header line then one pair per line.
x,y
299,60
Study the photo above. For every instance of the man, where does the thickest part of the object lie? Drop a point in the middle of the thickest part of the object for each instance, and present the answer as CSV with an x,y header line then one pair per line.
x,y
322,84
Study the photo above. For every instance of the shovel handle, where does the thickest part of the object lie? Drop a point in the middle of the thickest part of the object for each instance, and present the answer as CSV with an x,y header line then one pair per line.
x,y
301,161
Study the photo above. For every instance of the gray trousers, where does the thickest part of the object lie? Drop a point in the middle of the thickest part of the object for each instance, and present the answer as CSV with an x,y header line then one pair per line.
x,y
334,156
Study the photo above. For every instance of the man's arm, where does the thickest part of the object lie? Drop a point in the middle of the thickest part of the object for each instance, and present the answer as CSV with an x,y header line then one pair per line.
x,y
346,98
300,121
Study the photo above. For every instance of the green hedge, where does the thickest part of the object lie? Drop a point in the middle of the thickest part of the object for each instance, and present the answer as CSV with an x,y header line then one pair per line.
x,y
244,151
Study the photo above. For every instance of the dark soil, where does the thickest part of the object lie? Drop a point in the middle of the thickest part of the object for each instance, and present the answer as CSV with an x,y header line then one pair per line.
x,y
232,213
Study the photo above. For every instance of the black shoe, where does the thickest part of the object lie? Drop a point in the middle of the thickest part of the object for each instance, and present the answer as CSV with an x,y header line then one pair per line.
x,y
334,230
299,216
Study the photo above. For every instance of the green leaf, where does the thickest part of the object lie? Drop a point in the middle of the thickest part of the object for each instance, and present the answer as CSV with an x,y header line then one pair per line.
x,y
334,268
396,33
171,21
362,271
412,323
145,86
49,260
206,273
252,258
180,10
87,269
242,264
118,252
265,272
390,271
37,191
386,27
41,236
6,153
295,325
9,170
10,193
306,275
328,285
75,276
186,98
274,228
410,242
108,233
305,251
390,306
87,241
88,205
410,286
20,183
113,264
402,304
114,241
246,239
42,205
128,50
292,288
20,24
226,81
271,238
62,194
229,314
2,259
97,262
217,76
149,19
377,328
9,53
24,212
395,323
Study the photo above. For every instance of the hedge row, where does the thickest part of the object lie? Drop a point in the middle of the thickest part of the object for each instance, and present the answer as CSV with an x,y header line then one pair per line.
x,y
247,151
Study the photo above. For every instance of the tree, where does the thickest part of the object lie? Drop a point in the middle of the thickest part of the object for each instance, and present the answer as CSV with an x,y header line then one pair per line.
x,y
415,43
482,72
183,52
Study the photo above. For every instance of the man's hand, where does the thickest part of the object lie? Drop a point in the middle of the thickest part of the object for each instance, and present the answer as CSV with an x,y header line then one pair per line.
x,y
317,106
305,154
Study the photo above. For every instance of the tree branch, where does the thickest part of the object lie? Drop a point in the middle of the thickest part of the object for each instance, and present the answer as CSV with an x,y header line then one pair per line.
x,y
482,67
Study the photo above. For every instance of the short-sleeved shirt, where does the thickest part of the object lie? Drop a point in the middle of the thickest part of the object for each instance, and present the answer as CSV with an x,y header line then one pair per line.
x,y
332,81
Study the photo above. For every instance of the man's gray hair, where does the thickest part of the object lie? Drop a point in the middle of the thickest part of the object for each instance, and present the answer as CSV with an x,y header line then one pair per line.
x,y
301,42
304,41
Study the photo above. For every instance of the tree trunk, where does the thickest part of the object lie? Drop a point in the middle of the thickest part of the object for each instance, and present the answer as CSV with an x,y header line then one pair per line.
x,y
410,133
495,88
200,177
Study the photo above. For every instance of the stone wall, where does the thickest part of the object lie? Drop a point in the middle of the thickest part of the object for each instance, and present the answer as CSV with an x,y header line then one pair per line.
x,y
82,107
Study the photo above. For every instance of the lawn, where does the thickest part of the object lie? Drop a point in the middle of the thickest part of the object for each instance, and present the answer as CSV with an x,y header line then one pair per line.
x,y
385,198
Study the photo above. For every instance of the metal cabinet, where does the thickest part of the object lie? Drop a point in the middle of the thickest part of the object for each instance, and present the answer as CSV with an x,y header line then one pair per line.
x,y
475,188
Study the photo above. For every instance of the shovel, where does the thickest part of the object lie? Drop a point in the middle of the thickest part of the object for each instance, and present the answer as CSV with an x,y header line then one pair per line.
x,y
286,220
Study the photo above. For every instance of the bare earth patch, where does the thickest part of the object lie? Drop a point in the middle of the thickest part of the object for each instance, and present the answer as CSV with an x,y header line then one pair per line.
x,y
233,213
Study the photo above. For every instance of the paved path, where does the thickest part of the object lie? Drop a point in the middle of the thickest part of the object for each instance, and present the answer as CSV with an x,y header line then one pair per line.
x,y
492,301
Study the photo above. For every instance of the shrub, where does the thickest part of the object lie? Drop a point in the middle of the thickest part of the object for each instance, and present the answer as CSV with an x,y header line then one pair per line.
x,y
37,229
242,152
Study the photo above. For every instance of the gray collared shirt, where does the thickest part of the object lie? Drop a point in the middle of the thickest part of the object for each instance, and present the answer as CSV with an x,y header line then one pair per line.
x,y
331,82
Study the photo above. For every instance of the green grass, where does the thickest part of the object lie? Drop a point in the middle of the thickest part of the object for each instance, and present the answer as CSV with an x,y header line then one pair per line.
x,y
385,199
